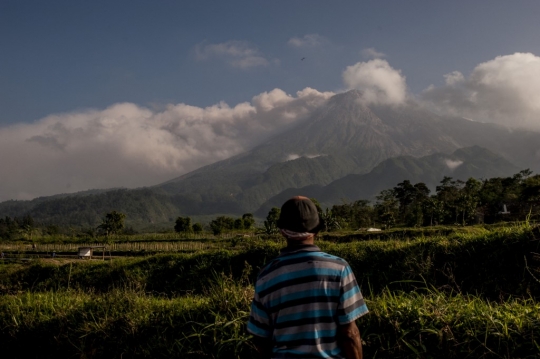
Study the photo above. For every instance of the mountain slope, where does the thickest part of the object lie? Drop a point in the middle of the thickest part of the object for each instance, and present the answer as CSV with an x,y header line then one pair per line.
x,y
463,164
344,137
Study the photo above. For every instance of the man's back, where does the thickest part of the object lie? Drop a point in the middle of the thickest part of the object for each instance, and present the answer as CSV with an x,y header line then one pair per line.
x,y
301,298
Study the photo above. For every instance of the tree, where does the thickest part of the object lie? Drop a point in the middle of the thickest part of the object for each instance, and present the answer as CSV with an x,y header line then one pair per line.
x,y
404,192
112,223
249,221
387,207
421,195
197,228
51,230
239,223
8,228
330,222
183,224
353,215
448,193
28,231
469,200
27,226
270,225
411,202
531,189
221,224
433,208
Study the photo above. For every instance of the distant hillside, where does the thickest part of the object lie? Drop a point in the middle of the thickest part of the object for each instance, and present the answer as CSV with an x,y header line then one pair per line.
x,y
147,206
140,206
463,164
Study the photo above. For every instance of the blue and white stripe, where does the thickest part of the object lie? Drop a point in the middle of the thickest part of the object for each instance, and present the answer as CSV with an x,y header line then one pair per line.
x,y
300,299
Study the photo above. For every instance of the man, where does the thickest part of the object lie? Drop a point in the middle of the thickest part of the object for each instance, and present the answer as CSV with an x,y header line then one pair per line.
x,y
306,301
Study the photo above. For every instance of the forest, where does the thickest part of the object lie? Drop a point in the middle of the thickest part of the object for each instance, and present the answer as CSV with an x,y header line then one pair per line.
x,y
454,202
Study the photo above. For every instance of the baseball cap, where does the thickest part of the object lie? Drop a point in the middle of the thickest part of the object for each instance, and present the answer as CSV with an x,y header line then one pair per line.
x,y
299,214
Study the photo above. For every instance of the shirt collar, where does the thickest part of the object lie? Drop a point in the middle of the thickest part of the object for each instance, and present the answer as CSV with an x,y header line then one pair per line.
x,y
299,248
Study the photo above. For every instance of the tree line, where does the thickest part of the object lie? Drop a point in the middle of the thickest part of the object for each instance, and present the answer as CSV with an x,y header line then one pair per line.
x,y
218,225
454,202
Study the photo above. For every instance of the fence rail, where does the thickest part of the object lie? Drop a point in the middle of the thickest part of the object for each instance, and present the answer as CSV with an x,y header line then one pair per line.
x,y
113,247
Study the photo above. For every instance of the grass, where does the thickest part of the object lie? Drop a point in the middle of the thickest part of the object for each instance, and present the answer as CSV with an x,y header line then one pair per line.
x,y
491,265
138,237
116,247
468,294
426,324
431,324
127,322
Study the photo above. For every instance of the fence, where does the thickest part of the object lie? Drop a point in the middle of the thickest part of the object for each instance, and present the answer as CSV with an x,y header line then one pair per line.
x,y
113,247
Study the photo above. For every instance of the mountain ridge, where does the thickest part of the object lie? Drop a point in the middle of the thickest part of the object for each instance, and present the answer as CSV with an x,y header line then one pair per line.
x,y
475,161
343,137
357,137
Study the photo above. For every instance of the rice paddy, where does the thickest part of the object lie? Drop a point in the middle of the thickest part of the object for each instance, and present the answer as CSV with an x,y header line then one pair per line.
x,y
462,295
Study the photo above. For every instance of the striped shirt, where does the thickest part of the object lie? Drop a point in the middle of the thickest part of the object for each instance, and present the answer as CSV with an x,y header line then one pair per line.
x,y
300,299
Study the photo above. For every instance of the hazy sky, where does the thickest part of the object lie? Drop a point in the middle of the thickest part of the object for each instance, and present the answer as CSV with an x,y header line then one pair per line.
x,y
99,94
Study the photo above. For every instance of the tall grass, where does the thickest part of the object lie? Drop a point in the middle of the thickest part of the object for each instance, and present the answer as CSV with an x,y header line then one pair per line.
x,y
138,237
124,323
491,265
431,324
465,295
128,323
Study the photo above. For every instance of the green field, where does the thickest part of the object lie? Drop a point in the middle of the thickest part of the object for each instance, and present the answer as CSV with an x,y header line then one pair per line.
x,y
446,293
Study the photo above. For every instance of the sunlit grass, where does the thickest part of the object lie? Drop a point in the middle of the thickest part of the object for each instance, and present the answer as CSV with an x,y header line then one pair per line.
x,y
463,295
426,323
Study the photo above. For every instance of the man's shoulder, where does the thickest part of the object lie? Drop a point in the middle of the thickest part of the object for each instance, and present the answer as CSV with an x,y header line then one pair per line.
x,y
332,257
300,258
308,256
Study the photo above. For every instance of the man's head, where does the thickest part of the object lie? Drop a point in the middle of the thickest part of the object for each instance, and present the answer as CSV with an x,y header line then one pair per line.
x,y
299,218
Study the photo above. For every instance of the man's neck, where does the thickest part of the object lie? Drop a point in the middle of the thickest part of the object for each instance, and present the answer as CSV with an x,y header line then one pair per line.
x,y
291,243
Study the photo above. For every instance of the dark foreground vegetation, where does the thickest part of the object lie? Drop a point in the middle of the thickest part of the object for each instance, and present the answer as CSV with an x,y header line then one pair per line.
x,y
441,296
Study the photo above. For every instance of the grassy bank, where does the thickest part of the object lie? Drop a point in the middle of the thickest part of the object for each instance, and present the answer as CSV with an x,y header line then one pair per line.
x,y
205,236
131,324
463,295
492,265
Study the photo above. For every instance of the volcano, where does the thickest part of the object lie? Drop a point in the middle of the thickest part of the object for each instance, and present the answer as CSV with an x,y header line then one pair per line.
x,y
345,136
345,149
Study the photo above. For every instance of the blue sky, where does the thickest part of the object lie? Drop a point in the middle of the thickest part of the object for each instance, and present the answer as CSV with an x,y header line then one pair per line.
x,y
97,94
59,56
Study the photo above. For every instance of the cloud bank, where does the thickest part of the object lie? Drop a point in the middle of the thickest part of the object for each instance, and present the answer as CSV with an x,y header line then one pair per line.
x,y
126,145
379,82
309,40
239,54
505,90
371,53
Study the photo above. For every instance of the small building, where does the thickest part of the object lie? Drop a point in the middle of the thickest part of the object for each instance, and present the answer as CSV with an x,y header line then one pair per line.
x,y
369,230
88,252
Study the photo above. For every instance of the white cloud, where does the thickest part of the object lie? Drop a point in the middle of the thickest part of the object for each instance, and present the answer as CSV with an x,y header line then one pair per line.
x,y
505,90
309,40
126,145
379,82
371,53
240,54
294,156
454,78
453,164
